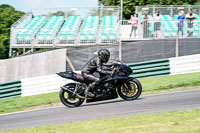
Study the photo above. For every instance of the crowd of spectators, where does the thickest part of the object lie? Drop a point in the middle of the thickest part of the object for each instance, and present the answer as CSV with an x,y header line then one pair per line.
x,y
145,23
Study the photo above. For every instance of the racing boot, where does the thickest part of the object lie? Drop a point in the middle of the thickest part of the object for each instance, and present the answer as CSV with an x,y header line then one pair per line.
x,y
88,89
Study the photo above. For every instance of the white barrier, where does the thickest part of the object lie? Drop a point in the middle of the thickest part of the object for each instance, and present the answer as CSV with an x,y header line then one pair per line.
x,y
185,64
52,83
43,84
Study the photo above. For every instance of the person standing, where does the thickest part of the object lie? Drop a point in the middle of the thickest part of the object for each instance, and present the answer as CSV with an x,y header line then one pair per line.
x,y
134,22
157,18
181,18
145,25
190,17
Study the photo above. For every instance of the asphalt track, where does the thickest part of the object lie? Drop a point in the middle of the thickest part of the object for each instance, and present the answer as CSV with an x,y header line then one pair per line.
x,y
186,100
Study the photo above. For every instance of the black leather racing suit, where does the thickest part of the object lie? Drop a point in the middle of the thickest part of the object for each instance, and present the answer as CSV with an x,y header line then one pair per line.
x,y
94,65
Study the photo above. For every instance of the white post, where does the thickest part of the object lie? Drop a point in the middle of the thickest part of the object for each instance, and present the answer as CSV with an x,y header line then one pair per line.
x,y
120,49
171,12
121,9
177,50
24,50
10,52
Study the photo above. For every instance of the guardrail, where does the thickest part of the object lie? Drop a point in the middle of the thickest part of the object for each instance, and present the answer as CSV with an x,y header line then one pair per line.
x,y
185,64
171,66
150,68
41,85
10,89
52,83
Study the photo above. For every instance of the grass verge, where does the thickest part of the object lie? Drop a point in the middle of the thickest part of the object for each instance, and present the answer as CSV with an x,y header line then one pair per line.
x,y
22,103
170,81
172,122
150,86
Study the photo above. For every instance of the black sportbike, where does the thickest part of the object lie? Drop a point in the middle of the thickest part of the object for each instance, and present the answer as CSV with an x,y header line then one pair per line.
x,y
128,88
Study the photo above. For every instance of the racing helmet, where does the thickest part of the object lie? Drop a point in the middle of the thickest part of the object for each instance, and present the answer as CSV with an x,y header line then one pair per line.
x,y
104,55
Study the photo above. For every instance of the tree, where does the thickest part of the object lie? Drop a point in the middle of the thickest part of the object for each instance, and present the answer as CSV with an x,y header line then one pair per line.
x,y
58,13
8,16
129,5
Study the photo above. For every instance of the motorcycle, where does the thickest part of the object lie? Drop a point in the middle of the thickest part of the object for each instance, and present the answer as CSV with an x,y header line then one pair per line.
x,y
119,83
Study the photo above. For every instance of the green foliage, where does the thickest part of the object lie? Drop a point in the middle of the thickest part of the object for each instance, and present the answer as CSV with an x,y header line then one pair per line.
x,y
129,5
58,13
8,15
197,2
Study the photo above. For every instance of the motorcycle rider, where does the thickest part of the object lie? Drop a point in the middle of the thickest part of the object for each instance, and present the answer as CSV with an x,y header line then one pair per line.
x,y
95,65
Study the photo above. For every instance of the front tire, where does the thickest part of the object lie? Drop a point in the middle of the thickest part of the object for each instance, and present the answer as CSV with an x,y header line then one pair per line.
x,y
130,90
68,99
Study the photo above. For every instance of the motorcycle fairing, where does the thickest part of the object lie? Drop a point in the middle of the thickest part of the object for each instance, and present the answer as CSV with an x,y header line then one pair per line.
x,y
113,95
116,78
72,75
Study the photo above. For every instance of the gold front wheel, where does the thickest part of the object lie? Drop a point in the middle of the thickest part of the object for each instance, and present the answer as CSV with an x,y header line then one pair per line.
x,y
130,90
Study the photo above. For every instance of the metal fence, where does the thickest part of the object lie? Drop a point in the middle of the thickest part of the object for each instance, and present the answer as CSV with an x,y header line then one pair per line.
x,y
78,11
152,29
167,9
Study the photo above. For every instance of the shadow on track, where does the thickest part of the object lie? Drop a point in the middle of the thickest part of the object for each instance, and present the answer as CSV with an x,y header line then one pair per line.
x,y
103,103
108,102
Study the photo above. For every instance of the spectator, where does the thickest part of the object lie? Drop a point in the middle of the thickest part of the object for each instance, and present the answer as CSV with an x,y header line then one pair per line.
x,y
134,21
157,18
181,18
145,25
190,17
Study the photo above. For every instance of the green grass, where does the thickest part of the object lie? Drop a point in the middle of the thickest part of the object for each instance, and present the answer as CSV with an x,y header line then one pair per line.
x,y
149,85
22,103
170,81
172,122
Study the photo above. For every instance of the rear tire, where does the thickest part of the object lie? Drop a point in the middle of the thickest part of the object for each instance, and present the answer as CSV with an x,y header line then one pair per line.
x,y
68,99
124,92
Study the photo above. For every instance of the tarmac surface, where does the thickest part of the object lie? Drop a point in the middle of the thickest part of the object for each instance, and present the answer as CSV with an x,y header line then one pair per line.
x,y
159,103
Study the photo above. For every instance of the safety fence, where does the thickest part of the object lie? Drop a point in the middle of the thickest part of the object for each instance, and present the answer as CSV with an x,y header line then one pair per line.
x,y
167,9
154,29
52,83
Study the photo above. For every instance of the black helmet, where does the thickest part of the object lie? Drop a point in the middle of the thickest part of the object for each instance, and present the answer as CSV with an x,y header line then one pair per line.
x,y
104,55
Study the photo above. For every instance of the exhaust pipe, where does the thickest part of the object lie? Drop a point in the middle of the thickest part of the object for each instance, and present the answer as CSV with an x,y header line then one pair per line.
x,y
77,95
